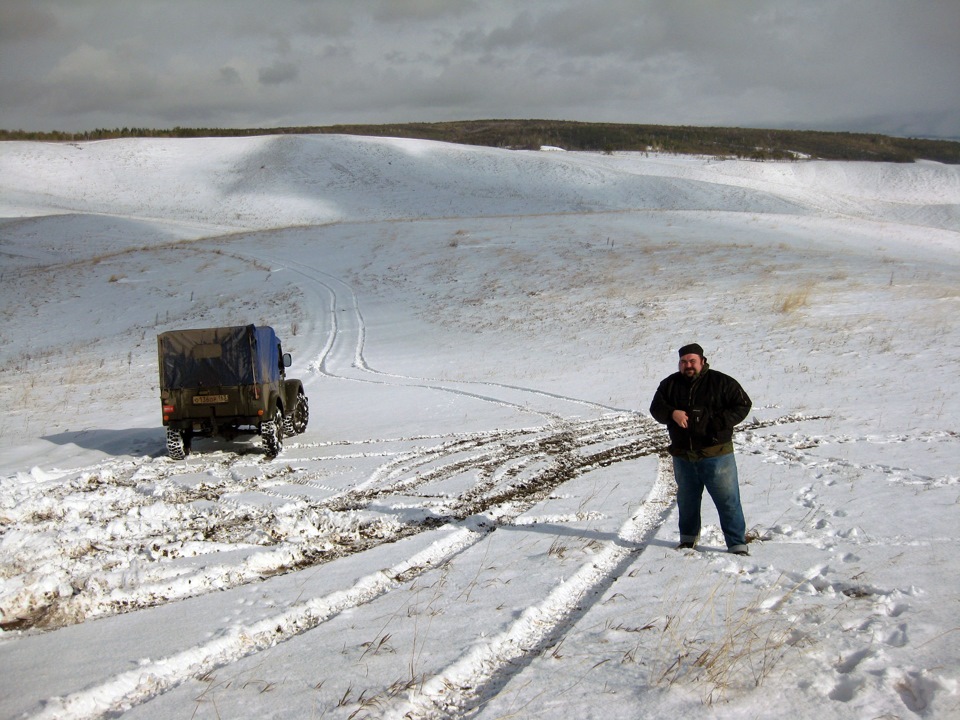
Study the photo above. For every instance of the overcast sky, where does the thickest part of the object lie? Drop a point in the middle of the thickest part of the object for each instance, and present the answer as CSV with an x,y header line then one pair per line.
x,y
890,66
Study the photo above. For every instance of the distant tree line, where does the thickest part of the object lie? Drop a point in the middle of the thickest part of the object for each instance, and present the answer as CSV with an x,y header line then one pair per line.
x,y
748,143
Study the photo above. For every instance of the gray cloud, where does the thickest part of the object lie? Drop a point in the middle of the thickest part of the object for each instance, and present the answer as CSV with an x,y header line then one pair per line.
x,y
22,22
854,65
230,76
278,73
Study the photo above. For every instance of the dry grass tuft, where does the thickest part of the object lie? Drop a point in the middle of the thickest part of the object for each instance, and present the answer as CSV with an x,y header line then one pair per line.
x,y
717,645
792,300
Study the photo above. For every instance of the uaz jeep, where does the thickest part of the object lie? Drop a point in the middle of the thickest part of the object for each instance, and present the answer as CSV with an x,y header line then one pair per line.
x,y
218,381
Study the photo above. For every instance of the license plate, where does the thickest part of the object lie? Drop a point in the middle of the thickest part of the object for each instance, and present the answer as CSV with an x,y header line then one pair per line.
x,y
210,399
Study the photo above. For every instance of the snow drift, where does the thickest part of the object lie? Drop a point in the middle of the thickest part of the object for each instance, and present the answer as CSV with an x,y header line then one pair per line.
x,y
479,521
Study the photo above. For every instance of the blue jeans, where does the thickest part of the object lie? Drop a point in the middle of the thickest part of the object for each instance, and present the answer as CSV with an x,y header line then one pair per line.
x,y
719,476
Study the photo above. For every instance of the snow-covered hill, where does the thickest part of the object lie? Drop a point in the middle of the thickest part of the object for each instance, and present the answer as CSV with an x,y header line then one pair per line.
x,y
477,521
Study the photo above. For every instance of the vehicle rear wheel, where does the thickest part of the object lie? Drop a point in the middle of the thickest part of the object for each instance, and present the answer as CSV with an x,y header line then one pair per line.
x,y
177,447
296,422
271,433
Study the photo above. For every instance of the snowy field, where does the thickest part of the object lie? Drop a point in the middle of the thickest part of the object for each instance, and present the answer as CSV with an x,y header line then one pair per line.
x,y
478,521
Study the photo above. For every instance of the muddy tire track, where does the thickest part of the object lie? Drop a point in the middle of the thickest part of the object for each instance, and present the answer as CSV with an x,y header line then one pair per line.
x,y
474,516
211,507
517,467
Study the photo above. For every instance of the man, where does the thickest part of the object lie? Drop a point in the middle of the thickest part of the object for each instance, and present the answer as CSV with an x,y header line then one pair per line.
x,y
700,408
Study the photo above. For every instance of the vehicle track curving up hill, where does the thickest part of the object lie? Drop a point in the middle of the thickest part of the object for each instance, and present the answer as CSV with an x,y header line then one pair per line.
x,y
224,519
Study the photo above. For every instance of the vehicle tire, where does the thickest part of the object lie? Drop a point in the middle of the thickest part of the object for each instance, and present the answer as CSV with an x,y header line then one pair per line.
x,y
177,446
296,422
271,433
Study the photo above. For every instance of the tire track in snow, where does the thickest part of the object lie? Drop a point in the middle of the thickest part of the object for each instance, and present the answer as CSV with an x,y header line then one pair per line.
x,y
347,339
575,450
514,483
501,507
133,687
493,465
462,687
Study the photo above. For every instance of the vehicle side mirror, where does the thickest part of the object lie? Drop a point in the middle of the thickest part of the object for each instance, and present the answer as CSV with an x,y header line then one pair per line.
x,y
287,360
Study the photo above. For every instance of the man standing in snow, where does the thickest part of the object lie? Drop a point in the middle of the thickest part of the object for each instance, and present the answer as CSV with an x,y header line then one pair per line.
x,y
700,408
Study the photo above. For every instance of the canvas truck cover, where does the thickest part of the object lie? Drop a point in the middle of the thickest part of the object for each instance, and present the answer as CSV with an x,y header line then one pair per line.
x,y
226,356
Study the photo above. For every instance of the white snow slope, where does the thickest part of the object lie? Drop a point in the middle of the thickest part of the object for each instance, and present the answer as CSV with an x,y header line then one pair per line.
x,y
479,521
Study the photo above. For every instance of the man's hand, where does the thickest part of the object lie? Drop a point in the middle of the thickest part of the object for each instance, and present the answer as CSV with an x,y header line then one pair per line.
x,y
680,418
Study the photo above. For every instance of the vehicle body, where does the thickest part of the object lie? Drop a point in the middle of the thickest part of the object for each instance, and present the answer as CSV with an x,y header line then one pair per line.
x,y
225,381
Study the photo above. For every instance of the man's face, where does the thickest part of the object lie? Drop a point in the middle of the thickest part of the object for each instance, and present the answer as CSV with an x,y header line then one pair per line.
x,y
691,365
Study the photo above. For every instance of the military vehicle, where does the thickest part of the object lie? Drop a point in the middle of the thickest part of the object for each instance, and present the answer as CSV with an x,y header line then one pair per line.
x,y
226,381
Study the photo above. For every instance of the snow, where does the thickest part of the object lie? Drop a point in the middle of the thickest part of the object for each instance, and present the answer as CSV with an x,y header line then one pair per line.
x,y
478,520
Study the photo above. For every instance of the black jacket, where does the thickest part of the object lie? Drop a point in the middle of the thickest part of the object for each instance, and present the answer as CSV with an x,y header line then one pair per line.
x,y
714,403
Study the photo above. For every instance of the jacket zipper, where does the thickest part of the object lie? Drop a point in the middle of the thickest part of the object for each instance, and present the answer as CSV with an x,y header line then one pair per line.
x,y
693,388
